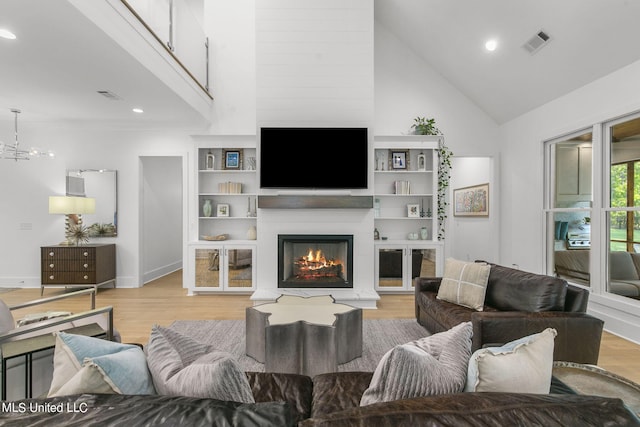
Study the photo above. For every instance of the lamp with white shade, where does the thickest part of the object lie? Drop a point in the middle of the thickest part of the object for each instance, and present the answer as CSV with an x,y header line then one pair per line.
x,y
73,207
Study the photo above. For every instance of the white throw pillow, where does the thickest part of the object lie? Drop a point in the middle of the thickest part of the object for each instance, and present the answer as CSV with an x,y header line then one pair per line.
x,y
464,283
521,366
429,366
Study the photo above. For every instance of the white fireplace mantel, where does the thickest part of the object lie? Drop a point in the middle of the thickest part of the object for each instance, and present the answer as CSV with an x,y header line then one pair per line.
x,y
357,222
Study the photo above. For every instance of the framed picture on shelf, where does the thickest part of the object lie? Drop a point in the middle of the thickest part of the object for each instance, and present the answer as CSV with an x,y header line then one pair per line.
x,y
232,159
222,209
413,211
471,201
398,159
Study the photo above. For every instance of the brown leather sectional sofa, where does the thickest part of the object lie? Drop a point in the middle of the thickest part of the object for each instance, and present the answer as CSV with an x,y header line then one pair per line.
x,y
517,304
327,400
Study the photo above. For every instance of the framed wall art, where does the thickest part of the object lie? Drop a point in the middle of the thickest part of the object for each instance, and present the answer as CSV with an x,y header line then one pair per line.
x,y
471,201
232,158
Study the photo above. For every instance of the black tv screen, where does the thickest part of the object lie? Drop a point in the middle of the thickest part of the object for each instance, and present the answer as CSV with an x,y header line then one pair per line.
x,y
313,158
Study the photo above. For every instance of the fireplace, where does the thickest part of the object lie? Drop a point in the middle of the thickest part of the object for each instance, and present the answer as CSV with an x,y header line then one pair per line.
x,y
315,261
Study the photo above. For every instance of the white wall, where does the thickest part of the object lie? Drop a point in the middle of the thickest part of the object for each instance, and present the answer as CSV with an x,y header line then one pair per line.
x,y
407,87
314,61
314,67
522,178
26,186
473,238
230,26
522,156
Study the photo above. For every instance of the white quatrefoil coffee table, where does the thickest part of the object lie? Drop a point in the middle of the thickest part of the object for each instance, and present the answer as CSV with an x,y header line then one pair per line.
x,y
307,336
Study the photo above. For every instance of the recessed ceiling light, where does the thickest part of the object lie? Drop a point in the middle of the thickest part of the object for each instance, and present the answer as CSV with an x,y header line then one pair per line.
x,y
6,34
138,110
491,45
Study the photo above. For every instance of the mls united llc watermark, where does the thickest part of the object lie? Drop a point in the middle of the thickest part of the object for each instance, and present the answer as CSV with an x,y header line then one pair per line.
x,y
51,408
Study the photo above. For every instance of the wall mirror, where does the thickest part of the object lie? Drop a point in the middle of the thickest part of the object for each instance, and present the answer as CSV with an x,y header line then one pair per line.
x,y
100,184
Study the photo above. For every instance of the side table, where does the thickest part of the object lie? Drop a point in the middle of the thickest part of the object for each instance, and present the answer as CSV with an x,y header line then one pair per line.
x,y
307,336
28,346
593,380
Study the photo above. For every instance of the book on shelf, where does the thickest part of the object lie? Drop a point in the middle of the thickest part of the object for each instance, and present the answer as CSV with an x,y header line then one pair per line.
x,y
402,187
230,187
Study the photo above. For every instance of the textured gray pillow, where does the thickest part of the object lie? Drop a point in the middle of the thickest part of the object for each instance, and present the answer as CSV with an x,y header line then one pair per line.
x,y
181,366
432,365
7,323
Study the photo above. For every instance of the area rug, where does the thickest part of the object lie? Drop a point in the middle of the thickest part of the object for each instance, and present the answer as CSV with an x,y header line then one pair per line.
x,y
378,336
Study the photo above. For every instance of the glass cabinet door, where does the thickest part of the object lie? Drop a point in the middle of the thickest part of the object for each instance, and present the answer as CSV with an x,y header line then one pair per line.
x,y
208,268
390,272
240,268
397,266
422,263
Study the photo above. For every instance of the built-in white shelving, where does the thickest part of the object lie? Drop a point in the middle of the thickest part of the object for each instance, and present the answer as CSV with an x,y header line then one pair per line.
x,y
405,209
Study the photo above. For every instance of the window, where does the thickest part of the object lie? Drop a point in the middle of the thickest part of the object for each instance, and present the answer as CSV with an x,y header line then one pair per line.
x,y
604,253
568,204
625,192
623,206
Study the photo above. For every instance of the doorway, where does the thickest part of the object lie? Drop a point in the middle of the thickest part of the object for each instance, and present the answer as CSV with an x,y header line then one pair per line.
x,y
161,216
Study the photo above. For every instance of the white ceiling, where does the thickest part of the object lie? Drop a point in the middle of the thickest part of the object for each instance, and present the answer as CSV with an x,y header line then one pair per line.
x,y
590,39
60,59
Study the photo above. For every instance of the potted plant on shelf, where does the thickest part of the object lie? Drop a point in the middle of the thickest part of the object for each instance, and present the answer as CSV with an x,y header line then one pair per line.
x,y
424,126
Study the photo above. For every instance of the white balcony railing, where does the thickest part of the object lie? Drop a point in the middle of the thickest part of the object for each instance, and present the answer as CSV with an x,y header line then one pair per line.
x,y
176,25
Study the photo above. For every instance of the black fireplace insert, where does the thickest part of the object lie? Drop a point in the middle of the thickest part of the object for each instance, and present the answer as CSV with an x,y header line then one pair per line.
x,y
315,261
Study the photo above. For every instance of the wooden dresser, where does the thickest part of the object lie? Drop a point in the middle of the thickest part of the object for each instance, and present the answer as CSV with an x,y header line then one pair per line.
x,y
78,266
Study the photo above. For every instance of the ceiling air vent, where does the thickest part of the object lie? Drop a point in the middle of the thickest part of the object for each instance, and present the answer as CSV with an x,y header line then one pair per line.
x,y
536,42
109,95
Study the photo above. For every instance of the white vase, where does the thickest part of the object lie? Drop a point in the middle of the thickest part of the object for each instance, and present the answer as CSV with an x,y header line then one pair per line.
x,y
252,234
206,208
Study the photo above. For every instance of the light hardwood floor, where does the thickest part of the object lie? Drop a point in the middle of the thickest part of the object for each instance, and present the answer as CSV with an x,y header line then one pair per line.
x,y
164,301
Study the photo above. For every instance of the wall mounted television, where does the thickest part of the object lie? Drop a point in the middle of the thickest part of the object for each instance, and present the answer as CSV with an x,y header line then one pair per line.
x,y
314,158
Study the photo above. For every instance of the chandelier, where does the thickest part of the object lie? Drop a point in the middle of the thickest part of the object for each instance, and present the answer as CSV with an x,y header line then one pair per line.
x,y
14,152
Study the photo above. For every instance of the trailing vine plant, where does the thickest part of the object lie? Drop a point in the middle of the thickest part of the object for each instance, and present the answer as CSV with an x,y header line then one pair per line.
x,y
444,174
425,126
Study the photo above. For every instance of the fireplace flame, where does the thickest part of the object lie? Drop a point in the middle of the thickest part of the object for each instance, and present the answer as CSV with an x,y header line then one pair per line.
x,y
315,261
318,257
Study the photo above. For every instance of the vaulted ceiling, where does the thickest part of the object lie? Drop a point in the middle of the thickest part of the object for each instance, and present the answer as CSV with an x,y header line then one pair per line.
x,y
61,59
59,62
588,39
